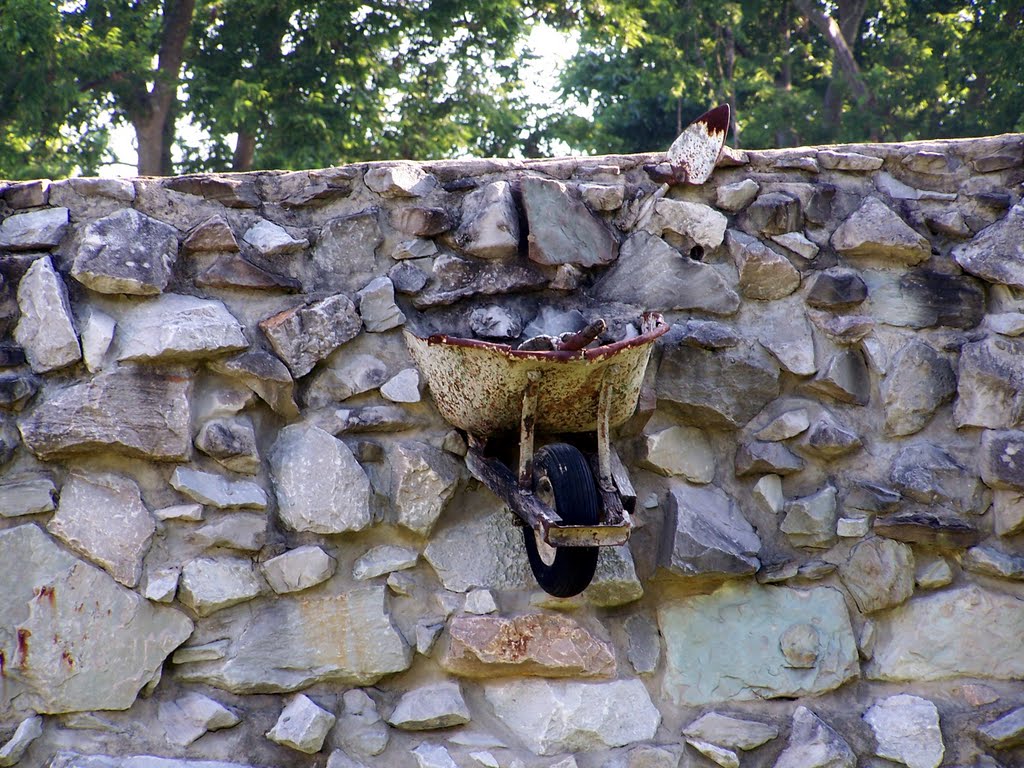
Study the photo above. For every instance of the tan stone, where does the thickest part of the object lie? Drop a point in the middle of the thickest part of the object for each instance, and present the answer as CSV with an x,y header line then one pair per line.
x,y
537,644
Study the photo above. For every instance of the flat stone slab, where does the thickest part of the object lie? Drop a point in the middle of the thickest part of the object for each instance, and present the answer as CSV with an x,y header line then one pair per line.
x,y
217,490
431,706
177,327
727,646
208,585
34,231
126,252
996,253
137,411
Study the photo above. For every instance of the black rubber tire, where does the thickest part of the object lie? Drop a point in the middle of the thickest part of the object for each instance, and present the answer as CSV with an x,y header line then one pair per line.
x,y
576,502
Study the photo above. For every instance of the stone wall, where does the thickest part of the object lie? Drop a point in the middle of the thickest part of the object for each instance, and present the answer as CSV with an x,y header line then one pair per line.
x,y
234,528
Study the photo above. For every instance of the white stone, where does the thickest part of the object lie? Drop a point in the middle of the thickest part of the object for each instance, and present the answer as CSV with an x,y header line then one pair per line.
x,y
209,585
414,249
433,756
680,451
853,527
933,574
798,243
403,387
377,306
384,559
730,732
423,479
848,161
189,512
45,328
480,602
97,333
34,231
160,584
734,197
1006,323
298,569
177,327
30,496
702,223
723,757
303,726
399,180
320,486
186,719
768,492
272,240
486,759
361,730
787,425
429,707
28,730
814,744
102,517
783,329
217,491
907,731
550,717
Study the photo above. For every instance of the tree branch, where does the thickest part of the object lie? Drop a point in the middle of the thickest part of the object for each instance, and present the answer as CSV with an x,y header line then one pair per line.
x,y
840,47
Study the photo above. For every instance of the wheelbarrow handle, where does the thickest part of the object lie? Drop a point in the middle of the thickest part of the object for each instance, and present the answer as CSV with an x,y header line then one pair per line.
x,y
580,339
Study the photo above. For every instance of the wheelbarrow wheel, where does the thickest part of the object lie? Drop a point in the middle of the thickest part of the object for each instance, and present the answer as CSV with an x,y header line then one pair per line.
x,y
563,480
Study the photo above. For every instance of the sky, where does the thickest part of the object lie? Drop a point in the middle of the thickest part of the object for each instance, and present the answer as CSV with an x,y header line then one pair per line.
x,y
552,49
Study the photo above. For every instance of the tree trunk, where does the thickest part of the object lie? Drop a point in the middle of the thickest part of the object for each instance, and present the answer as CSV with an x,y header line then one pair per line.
x,y
245,151
154,123
841,49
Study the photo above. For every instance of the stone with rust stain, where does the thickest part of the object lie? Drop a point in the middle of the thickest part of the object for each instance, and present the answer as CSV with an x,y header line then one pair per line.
x,y
537,645
305,335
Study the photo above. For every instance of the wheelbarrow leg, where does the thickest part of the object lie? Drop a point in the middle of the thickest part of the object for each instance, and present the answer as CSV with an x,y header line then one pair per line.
x,y
604,456
527,424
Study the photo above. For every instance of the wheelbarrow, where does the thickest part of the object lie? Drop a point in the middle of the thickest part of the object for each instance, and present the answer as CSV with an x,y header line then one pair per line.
x,y
569,500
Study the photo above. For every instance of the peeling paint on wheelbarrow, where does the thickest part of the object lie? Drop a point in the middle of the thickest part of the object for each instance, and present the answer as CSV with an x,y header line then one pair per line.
x,y
478,386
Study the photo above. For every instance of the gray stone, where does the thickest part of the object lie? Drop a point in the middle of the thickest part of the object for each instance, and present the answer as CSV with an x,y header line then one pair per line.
x,y
265,375
757,458
270,239
730,732
97,330
234,271
212,235
345,375
652,274
923,299
811,520
45,328
844,378
126,252
432,706
615,581
644,649
705,334
710,534
490,222
361,731
798,243
74,760
407,278
720,756
848,161
999,463
562,228
42,603
207,585
879,573
377,306
231,193
990,392
305,335
603,197
918,384
773,213
926,473
695,222
725,647
782,328
813,744
399,180
486,550
836,288
402,387
420,221
786,425
722,388
768,493
828,439
28,496
950,634
926,162
28,730
383,559
936,527
480,602
454,279
415,249
34,231
177,327
1006,732
933,573
102,517
344,257
27,194
496,323
160,584
875,231
736,197
320,486
680,451
949,223
553,322
1006,323
764,273
131,410
16,389
218,491
186,719
298,569
423,479
551,717
190,512
302,725
907,731
433,756
244,532
1008,512
996,253
231,442
288,644
211,651
845,330
989,561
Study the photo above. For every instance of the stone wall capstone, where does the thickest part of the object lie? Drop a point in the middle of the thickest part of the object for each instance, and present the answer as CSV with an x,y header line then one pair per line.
x,y
235,531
